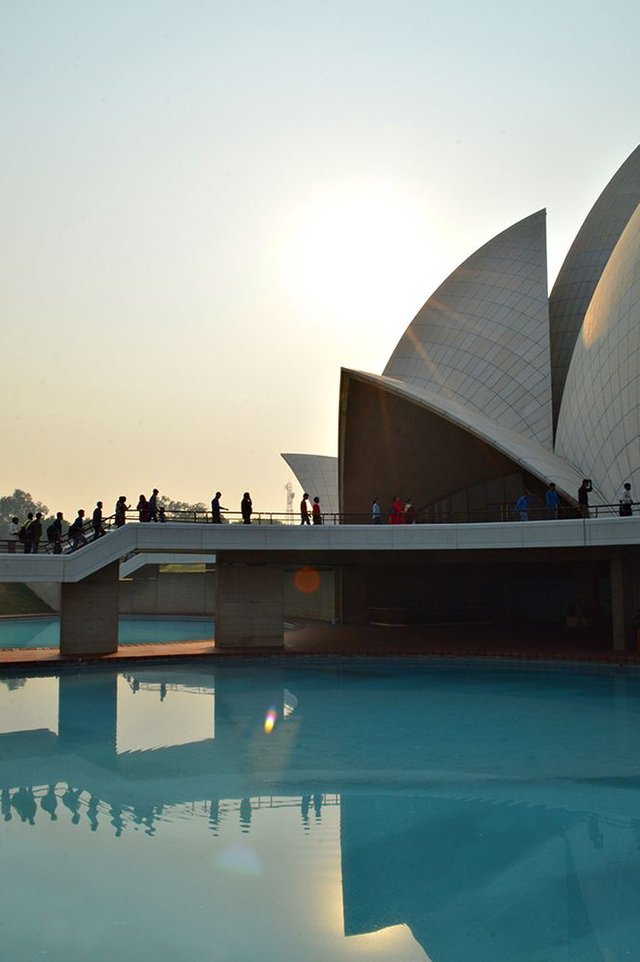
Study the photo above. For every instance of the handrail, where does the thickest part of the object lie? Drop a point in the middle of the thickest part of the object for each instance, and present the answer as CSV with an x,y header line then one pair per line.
x,y
494,513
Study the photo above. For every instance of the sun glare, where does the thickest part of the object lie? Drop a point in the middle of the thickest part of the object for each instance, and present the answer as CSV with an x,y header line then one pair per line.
x,y
358,250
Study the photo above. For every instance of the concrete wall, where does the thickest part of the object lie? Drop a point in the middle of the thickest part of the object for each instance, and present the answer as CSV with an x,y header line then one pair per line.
x,y
193,593
168,593
49,592
249,606
310,593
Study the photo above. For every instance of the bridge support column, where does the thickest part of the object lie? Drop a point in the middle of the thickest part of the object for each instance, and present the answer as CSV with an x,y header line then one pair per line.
x,y
249,606
622,610
89,614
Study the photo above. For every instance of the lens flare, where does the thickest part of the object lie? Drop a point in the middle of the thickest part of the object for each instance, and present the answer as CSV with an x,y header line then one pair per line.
x,y
270,721
306,580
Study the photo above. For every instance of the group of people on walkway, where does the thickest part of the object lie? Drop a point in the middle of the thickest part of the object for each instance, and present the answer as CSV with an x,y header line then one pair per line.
x,y
246,508
29,534
308,516
552,507
399,512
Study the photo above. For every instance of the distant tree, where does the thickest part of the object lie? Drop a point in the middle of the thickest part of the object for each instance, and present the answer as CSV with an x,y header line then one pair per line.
x,y
17,505
181,507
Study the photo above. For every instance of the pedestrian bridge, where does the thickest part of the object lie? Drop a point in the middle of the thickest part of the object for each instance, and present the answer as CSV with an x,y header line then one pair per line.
x,y
297,543
250,560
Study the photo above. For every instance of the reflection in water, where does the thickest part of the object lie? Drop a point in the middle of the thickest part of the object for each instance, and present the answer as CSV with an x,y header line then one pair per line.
x,y
473,809
84,807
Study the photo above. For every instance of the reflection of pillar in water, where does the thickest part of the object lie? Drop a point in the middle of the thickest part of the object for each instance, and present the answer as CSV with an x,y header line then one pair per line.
x,y
245,815
5,804
87,710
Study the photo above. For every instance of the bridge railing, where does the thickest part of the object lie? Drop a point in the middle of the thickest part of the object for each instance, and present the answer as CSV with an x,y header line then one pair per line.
x,y
493,513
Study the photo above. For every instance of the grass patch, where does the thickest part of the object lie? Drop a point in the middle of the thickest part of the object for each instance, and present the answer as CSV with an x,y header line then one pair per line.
x,y
17,599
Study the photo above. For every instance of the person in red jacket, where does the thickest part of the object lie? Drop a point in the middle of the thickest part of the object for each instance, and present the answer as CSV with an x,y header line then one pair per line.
x,y
396,511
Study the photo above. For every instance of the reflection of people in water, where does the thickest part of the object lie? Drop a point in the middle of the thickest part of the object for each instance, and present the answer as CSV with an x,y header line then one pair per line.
x,y
71,800
116,819
25,805
305,803
144,816
49,803
92,812
245,815
163,690
214,815
5,804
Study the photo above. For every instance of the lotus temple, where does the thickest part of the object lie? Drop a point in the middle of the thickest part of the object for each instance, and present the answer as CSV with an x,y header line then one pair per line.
x,y
497,386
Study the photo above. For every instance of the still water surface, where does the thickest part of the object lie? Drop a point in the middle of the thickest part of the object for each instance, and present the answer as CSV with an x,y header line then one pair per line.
x,y
44,631
320,810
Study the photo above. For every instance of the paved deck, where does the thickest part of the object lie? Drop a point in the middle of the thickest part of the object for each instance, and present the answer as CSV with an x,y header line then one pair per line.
x,y
319,638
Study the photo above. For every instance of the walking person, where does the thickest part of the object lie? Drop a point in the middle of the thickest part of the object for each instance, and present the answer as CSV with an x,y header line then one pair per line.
x,y
583,497
551,501
12,536
626,501
142,507
521,507
23,533
96,521
409,513
121,510
153,505
376,516
76,532
316,514
396,511
304,509
55,533
35,532
246,508
216,509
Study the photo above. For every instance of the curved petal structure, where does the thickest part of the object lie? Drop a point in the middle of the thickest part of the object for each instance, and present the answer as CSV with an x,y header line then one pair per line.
x,y
396,436
483,337
465,411
583,267
599,424
317,474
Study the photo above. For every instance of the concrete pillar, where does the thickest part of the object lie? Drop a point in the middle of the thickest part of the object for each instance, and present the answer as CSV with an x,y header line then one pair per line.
x,y
89,614
622,610
249,606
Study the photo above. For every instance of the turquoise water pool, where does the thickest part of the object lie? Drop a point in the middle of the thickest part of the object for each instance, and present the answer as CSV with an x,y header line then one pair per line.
x,y
44,632
321,810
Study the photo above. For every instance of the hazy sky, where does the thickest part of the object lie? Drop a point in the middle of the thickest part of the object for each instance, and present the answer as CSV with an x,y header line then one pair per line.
x,y
208,208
